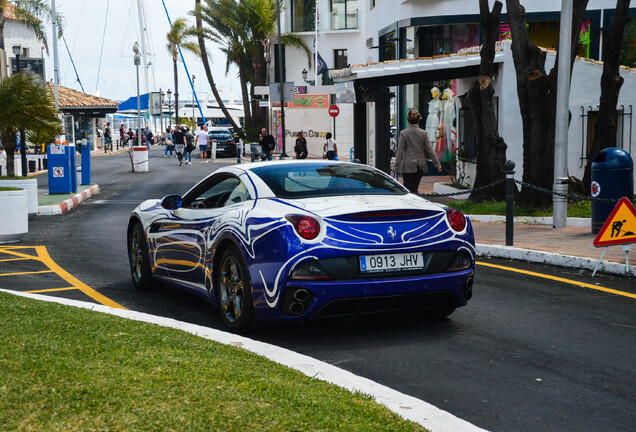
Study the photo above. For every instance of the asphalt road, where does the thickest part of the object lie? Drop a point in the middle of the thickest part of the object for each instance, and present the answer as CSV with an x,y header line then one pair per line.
x,y
528,353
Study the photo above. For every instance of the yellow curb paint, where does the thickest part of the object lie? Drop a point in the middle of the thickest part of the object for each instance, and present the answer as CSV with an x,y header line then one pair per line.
x,y
26,273
559,279
43,256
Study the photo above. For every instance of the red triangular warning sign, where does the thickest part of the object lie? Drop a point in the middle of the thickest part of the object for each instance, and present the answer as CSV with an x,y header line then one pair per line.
x,y
620,226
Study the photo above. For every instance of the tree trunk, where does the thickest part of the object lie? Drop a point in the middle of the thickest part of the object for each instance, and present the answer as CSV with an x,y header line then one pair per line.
x,y
176,90
245,95
208,74
537,93
10,144
2,20
611,83
260,79
490,147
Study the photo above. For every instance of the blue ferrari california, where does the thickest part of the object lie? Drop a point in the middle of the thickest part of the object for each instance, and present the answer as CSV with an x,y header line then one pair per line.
x,y
295,240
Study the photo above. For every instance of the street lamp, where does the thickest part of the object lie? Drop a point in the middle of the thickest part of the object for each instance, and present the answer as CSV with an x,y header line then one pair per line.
x,y
17,50
137,63
169,103
310,82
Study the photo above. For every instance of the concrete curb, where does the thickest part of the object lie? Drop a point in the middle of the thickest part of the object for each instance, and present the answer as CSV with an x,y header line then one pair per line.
x,y
405,406
486,250
68,204
531,220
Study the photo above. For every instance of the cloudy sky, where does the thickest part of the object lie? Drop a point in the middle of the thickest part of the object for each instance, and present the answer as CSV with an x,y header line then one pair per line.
x,y
89,24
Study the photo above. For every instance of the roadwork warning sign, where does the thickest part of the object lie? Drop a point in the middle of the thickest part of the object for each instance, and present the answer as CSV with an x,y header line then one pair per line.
x,y
620,226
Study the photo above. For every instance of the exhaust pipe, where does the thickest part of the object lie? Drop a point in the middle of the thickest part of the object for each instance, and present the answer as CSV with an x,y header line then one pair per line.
x,y
301,295
468,288
297,308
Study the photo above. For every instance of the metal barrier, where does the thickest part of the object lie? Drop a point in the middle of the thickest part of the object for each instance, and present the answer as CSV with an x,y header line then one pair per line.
x,y
510,182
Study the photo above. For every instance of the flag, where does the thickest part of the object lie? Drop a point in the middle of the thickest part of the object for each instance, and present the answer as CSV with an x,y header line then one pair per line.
x,y
321,65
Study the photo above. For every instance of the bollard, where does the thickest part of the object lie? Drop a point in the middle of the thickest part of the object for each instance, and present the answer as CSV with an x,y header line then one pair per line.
x,y
238,151
509,168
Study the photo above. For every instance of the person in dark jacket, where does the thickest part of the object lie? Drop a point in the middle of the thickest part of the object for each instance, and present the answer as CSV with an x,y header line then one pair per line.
x,y
301,146
268,144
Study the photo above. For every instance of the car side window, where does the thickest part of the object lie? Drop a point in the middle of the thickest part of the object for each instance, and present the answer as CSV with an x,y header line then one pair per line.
x,y
213,196
238,195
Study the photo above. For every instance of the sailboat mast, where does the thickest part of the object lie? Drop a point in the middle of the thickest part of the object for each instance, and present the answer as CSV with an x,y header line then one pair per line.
x,y
144,53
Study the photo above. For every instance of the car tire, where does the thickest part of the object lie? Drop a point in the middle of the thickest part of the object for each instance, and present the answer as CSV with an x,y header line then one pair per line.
x,y
234,290
138,258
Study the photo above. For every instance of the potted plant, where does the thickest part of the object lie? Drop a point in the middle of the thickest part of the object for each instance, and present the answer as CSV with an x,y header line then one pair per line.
x,y
25,104
14,222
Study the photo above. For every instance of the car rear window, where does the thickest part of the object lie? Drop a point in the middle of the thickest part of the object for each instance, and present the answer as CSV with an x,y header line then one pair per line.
x,y
324,179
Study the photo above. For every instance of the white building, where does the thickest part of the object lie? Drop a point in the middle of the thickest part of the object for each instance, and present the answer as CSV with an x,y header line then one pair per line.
x,y
20,37
384,33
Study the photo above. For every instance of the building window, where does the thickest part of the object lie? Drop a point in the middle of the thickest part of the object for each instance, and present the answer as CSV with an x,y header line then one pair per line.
x,y
344,14
303,15
340,58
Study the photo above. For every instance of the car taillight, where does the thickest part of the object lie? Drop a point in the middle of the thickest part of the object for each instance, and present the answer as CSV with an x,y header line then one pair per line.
x,y
306,226
456,219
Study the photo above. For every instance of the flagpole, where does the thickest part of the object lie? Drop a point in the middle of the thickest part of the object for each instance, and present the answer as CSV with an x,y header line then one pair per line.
x,y
316,46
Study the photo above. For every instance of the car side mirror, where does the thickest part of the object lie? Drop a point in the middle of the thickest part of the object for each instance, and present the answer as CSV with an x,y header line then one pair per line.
x,y
171,202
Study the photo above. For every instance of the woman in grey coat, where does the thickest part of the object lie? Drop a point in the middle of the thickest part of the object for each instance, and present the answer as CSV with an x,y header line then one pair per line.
x,y
413,146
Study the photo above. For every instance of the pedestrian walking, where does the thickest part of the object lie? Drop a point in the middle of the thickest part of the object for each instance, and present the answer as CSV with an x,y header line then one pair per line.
x,y
148,135
131,137
330,149
202,139
108,140
413,148
169,140
179,143
301,146
189,145
268,143
122,135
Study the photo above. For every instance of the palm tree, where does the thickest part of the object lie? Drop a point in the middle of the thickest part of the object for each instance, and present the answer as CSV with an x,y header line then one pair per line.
x,y
243,29
179,35
208,70
25,103
34,14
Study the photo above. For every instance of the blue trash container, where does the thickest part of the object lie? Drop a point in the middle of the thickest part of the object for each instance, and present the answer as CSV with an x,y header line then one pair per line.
x,y
612,178
61,169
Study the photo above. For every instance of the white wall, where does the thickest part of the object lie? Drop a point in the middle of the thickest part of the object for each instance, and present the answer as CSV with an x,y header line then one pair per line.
x,y
585,91
16,33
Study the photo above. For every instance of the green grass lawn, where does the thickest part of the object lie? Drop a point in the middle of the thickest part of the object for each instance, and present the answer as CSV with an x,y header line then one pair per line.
x,y
581,209
69,369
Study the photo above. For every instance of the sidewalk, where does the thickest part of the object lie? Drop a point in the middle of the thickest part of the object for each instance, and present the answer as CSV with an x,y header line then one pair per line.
x,y
568,247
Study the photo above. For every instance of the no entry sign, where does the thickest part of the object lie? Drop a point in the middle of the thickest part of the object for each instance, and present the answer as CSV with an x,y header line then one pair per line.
x,y
334,111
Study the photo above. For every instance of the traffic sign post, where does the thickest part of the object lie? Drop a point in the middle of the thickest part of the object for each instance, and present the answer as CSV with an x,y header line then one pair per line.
x,y
619,228
334,111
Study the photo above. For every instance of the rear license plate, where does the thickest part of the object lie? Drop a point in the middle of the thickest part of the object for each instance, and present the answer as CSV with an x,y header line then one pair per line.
x,y
391,262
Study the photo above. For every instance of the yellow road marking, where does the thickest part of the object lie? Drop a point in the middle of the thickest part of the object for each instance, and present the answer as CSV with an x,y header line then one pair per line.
x,y
14,259
560,279
43,256
51,290
26,273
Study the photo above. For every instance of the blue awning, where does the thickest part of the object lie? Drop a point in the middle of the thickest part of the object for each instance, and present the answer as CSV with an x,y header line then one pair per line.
x,y
131,103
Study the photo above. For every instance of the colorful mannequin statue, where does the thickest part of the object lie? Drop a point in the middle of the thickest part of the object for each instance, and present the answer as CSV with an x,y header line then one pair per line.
x,y
433,117
449,119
